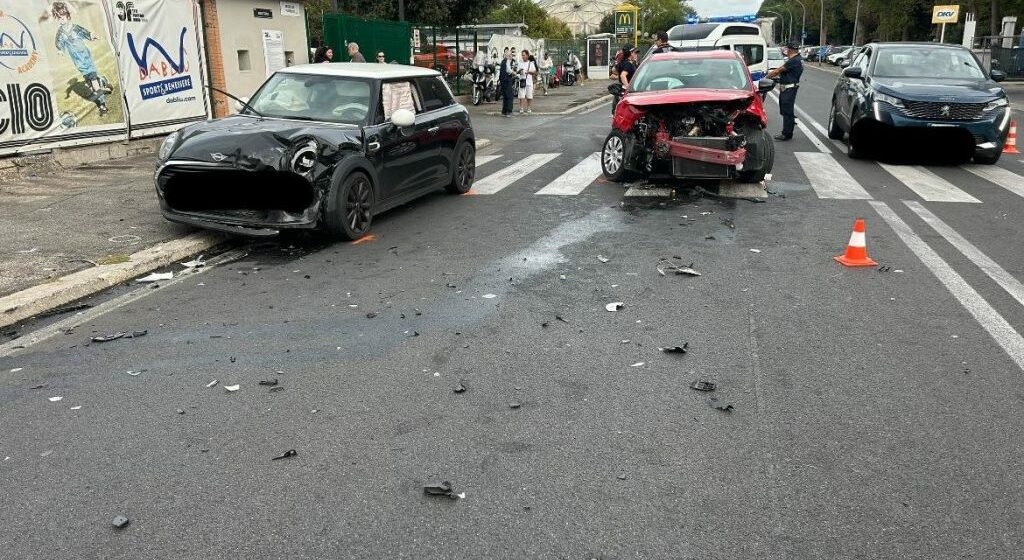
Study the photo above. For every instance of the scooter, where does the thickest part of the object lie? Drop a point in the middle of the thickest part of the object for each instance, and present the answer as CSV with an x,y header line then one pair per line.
x,y
483,84
569,73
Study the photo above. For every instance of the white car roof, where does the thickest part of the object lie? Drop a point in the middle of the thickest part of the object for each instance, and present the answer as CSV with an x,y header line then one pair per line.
x,y
361,70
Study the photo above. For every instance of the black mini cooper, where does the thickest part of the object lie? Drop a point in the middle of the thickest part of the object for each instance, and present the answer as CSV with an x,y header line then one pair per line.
x,y
319,146
896,96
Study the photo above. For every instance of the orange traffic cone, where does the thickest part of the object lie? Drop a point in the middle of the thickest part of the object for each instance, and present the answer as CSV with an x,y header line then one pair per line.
x,y
857,249
1011,140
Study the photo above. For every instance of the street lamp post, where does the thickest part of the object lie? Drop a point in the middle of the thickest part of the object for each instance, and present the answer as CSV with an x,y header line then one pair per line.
x,y
803,20
781,27
821,32
856,21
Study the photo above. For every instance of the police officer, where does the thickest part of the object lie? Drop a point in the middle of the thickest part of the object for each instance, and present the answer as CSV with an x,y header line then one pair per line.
x,y
788,78
506,74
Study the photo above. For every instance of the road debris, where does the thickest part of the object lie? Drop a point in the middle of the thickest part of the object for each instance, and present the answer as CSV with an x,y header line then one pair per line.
x,y
135,373
622,477
120,522
676,268
79,407
603,258
755,250
721,404
193,264
63,310
440,489
211,384
286,455
703,386
276,389
56,399
232,388
156,277
488,296
459,388
614,306
638,364
371,315
180,411
514,405
675,349
269,383
118,335
16,370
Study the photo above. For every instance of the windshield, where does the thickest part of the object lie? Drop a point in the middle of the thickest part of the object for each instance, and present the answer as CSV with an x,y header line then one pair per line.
x,y
774,54
689,74
927,62
313,98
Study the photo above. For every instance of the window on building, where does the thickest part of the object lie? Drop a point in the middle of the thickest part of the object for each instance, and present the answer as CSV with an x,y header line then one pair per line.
x,y
244,62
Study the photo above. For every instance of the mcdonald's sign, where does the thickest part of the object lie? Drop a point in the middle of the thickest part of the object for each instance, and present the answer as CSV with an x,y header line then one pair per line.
x,y
625,22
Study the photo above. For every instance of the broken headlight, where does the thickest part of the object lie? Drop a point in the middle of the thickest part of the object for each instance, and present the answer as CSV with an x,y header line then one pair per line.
x,y
168,146
305,158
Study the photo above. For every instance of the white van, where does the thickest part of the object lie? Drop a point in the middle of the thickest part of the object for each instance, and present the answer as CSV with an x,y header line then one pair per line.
x,y
744,38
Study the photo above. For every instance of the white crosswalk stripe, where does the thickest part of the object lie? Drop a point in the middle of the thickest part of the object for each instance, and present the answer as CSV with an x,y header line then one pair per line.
x,y
927,185
828,178
1002,177
482,160
504,177
573,181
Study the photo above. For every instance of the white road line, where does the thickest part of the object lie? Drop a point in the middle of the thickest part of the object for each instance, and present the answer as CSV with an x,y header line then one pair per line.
x,y
990,319
803,128
1002,177
926,184
828,178
482,160
989,266
510,174
574,180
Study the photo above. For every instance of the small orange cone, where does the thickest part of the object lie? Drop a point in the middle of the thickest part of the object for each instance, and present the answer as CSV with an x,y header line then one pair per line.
x,y
1011,140
856,249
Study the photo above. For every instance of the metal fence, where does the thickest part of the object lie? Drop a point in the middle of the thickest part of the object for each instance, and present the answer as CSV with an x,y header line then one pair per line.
x,y
1002,53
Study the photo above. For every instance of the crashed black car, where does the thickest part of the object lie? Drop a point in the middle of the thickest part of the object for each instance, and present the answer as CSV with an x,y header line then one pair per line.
x,y
323,146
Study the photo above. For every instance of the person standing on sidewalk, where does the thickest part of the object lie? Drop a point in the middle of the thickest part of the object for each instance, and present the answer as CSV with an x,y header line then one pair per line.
x,y
788,77
527,75
354,54
505,76
626,70
546,64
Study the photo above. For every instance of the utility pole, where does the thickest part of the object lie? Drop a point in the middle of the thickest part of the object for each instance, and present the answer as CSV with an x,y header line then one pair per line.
x,y
856,19
821,32
401,10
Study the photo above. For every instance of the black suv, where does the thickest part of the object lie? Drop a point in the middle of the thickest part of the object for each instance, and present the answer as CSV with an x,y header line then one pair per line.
x,y
920,94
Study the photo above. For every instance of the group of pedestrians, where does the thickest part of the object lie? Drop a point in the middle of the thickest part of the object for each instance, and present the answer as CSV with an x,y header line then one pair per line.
x,y
326,54
525,72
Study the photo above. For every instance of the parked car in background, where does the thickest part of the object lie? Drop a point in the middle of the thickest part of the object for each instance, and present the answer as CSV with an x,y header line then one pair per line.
x,y
898,96
775,58
447,60
840,53
319,146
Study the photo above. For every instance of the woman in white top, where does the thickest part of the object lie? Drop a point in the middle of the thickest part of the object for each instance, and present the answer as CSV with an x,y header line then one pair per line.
x,y
545,70
527,75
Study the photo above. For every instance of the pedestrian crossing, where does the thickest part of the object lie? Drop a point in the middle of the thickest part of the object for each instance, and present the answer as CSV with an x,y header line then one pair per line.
x,y
830,177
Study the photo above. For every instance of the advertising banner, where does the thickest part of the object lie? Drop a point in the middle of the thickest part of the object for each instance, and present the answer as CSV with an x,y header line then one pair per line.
x,y
160,60
599,57
58,75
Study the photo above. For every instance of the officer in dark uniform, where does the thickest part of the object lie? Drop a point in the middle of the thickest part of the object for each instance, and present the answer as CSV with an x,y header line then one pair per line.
x,y
788,78
506,74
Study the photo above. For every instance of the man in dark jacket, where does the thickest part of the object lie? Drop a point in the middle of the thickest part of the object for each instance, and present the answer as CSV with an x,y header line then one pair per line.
x,y
788,78
506,74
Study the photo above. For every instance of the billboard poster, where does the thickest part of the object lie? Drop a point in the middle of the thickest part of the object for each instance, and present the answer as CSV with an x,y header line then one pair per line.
x,y
160,59
58,75
598,57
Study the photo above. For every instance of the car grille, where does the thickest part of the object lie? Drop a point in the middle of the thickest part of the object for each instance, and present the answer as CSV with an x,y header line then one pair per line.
x,y
943,111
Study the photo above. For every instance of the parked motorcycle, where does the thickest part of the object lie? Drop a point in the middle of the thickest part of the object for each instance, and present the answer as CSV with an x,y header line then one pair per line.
x,y
570,71
484,88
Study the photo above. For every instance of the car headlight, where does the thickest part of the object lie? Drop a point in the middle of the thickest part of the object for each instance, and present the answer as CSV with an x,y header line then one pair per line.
x,y
993,105
168,146
894,101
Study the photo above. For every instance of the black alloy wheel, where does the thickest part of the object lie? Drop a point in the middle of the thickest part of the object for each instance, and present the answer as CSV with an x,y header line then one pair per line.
x,y
352,211
465,170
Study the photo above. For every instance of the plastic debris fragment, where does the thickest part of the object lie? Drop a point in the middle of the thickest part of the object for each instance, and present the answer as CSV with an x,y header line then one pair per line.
x,y
156,277
232,388
704,386
614,306
286,455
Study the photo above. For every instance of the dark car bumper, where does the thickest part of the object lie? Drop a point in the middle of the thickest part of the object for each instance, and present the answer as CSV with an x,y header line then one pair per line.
x,y
988,133
224,198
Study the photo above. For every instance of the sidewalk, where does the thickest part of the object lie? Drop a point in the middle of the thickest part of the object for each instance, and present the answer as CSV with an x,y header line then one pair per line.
x,y
557,102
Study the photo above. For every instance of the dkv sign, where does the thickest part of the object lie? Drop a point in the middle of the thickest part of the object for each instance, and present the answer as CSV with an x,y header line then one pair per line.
x,y
945,14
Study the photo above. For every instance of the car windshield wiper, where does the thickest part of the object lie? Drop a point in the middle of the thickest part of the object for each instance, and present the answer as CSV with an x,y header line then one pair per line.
x,y
238,99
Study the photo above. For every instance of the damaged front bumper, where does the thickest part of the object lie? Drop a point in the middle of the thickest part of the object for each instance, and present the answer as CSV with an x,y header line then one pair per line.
x,y
252,202
701,157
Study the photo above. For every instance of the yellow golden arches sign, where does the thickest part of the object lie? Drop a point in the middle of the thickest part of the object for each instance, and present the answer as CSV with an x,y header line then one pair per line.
x,y
626,22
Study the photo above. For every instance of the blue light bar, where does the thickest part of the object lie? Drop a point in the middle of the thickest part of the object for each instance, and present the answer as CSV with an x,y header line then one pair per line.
x,y
749,18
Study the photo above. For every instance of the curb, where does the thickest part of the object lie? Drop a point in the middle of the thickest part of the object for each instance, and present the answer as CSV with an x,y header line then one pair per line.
x,y
588,105
66,289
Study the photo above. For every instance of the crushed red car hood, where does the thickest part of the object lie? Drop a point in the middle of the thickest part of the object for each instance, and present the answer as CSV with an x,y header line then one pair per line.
x,y
671,97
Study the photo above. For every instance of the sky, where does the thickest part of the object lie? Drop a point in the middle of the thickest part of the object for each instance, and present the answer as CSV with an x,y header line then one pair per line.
x,y
711,8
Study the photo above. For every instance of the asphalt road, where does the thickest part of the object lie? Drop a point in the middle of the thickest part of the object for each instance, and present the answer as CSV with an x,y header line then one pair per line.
x,y
876,413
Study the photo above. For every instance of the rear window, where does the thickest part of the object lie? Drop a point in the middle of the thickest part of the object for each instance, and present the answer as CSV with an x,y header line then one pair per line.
x,y
741,30
752,54
691,32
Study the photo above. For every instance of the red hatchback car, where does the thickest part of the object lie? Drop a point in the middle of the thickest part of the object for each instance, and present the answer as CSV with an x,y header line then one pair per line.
x,y
691,115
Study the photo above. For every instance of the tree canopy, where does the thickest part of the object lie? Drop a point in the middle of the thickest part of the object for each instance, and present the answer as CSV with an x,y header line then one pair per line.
x,y
526,11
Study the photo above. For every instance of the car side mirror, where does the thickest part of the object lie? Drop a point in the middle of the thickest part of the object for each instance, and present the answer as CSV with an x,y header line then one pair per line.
x,y
616,89
856,73
239,106
997,75
403,118
765,85
844,64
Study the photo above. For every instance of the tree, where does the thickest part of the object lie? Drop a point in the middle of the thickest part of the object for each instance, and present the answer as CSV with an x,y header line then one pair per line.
x,y
441,13
540,23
